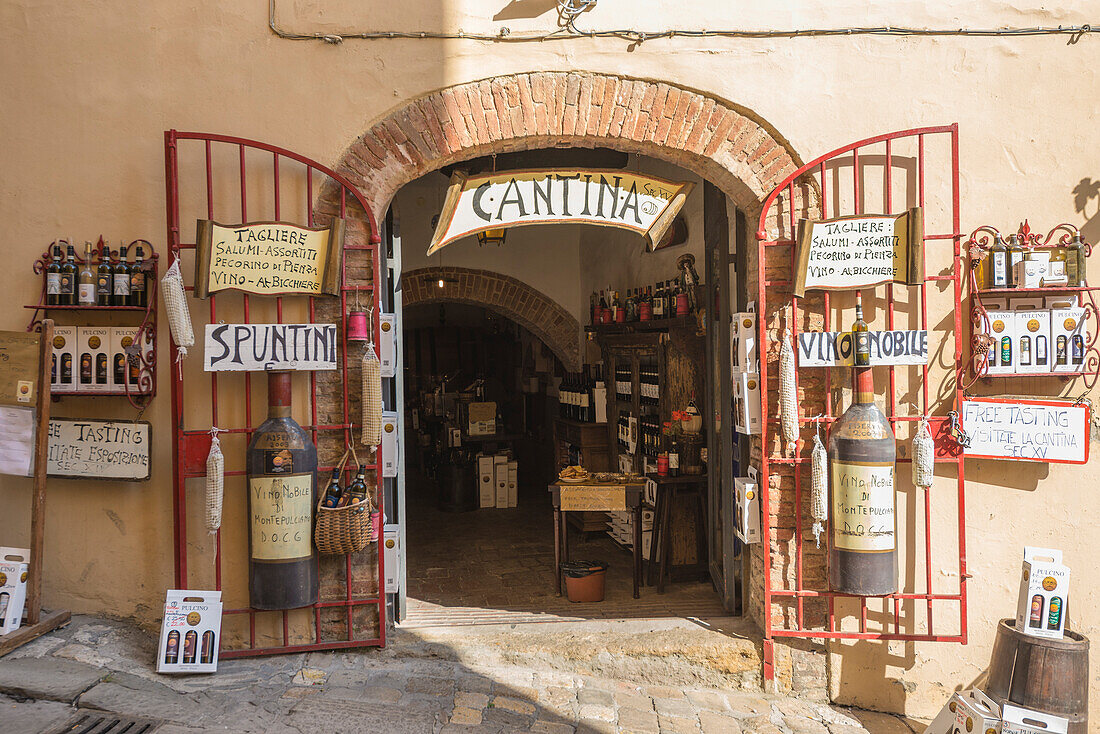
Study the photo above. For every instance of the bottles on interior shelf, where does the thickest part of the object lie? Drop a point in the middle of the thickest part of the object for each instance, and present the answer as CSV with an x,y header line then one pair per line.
x,y
663,300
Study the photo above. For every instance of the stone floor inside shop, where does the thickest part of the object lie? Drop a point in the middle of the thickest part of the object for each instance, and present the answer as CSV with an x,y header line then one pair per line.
x,y
494,566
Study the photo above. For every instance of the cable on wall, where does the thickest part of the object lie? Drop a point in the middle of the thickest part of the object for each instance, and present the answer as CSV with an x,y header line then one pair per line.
x,y
570,9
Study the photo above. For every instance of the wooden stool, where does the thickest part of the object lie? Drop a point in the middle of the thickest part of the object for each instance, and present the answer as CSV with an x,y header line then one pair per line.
x,y
669,491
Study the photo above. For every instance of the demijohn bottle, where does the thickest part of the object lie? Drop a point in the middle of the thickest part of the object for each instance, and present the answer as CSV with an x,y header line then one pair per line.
x,y
282,477
863,556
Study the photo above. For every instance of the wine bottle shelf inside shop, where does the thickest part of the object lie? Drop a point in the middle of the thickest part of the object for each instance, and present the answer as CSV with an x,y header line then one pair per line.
x,y
985,282
143,387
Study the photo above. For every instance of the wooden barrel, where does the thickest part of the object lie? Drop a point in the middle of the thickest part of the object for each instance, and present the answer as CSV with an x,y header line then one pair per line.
x,y
1049,676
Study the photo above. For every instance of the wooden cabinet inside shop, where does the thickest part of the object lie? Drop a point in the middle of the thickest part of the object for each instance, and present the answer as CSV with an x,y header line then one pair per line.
x,y
650,374
584,444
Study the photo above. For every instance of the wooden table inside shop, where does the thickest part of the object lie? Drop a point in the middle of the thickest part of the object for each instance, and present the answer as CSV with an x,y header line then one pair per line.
x,y
596,496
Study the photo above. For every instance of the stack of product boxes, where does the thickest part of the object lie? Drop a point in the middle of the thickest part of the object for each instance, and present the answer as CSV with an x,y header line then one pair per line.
x,y
1035,335
620,526
14,563
93,359
746,373
498,485
1040,612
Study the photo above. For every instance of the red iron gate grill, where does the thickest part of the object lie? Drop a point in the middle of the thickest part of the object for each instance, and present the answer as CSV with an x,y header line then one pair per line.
x,y
894,624
191,445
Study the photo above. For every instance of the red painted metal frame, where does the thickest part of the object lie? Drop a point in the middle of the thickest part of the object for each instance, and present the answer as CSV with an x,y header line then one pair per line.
x,y
191,445
947,452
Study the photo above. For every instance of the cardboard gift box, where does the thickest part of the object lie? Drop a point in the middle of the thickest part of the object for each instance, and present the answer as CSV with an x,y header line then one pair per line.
x,y
1031,345
1016,720
482,419
500,474
13,587
747,502
63,373
190,633
392,557
486,481
963,712
1002,327
387,344
746,402
513,483
92,364
390,444
743,346
1067,338
1044,594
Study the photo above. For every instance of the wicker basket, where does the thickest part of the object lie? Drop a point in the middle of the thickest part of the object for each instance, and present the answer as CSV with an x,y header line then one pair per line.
x,y
345,529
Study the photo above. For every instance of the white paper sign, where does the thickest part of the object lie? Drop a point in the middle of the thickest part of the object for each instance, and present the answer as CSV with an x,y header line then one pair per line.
x,y
17,428
1028,430
854,252
834,348
95,449
261,347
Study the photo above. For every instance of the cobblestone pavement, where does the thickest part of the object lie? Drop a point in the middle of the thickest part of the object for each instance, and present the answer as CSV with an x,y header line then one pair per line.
x,y
106,665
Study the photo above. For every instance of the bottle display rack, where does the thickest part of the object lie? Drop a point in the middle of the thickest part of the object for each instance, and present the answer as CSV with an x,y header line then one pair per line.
x,y
978,246
145,390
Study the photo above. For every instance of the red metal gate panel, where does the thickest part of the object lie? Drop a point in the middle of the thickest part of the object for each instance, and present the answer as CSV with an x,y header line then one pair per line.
x,y
888,174
227,169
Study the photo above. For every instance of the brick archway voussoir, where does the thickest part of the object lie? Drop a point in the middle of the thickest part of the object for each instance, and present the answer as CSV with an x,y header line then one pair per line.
x,y
502,294
710,136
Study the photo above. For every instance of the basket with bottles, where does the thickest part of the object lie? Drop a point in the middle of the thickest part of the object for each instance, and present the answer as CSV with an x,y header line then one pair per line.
x,y
345,515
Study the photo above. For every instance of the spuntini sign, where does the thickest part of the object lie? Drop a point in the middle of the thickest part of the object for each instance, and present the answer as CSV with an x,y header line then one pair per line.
x,y
262,347
643,204
854,252
1054,431
268,258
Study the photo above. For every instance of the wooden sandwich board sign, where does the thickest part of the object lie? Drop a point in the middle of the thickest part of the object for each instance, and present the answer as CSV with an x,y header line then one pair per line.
x,y
1050,431
268,258
848,253
98,449
264,347
643,204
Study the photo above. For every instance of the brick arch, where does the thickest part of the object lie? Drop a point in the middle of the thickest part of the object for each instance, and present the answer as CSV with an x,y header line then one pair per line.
x,y
723,143
502,294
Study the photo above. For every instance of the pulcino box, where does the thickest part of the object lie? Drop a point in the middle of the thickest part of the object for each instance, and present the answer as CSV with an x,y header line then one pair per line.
x,y
13,587
191,632
1044,594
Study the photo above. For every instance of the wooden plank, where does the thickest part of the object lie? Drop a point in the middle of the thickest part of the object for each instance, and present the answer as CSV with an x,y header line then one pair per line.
x,y
49,622
38,499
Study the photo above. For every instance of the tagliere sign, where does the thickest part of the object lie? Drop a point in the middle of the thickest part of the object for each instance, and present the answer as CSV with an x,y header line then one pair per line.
x,y
268,258
640,203
854,252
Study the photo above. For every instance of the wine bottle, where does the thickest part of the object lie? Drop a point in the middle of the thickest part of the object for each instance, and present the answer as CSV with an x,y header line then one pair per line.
x,y
333,493
67,288
357,492
104,276
53,278
998,263
120,293
863,557
861,337
282,477
138,291
86,280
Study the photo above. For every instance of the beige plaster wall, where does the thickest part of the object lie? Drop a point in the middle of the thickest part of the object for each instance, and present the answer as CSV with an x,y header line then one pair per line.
x,y
88,88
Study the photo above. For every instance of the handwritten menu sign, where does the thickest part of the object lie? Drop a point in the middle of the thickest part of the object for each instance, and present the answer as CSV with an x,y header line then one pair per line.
x,y
268,258
854,252
96,449
834,348
18,368
259,347
1054,431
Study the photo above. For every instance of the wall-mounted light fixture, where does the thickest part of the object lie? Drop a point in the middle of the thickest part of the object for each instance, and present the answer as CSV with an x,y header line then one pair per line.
x,y
491,237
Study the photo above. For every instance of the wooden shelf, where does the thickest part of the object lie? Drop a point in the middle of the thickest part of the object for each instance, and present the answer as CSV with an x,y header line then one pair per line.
x,y
87,308
679,322
579,424
682,479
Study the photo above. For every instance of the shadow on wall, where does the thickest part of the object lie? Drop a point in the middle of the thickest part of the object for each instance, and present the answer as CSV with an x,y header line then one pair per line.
x,y
1086,196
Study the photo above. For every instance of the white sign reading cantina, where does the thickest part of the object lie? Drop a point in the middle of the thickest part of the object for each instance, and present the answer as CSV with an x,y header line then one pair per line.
x,y
643,204
268,258
834,349
1029,430
95,449
854,252
259,347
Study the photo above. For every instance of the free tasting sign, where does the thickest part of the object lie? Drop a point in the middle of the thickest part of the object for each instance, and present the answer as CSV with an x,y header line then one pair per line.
x,y
1054,431
98,449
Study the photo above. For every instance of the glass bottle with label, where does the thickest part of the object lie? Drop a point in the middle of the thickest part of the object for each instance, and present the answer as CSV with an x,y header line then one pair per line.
x,y
68,278
861,336
172,648
104,276
1025,351
138,276
190,642
120,292
53,278
333,493
998,264
863,556
357,491
1015,255
282,477
1040,351
86,280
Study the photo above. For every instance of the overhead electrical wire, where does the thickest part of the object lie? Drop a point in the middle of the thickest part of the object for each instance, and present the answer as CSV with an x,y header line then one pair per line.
x,y
569,32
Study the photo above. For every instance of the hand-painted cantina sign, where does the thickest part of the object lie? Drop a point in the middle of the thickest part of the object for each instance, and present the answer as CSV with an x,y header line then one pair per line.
x,y
834,349
853,252
643,204
268,258
258,347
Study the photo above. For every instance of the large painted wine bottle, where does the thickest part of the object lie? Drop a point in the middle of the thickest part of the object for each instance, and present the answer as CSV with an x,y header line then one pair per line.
x,y
863,552
282,480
